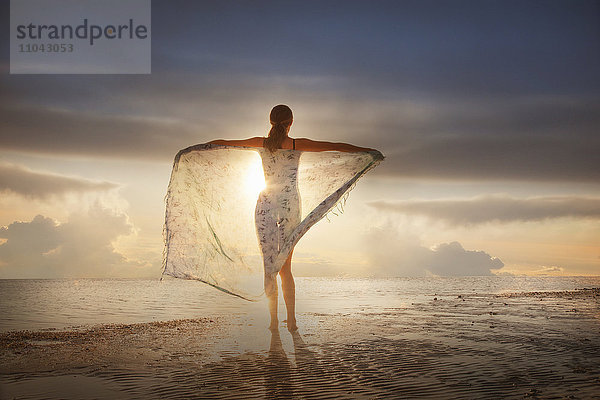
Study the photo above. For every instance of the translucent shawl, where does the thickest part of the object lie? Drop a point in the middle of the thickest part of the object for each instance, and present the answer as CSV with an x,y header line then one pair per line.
x,y
210,232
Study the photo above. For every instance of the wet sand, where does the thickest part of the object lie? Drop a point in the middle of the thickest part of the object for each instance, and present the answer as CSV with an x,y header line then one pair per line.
x,y
520,345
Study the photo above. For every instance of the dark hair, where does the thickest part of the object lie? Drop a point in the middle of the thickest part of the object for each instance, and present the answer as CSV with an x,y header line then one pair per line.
x,y
281,118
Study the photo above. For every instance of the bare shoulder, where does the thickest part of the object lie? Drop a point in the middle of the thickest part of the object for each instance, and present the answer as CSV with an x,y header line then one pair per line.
x,y
257,141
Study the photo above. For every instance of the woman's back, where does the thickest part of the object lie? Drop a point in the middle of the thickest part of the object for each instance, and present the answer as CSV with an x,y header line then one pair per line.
x,y
280,169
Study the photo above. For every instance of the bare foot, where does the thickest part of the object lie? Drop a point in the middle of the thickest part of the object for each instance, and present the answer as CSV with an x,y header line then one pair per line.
x,y
291,325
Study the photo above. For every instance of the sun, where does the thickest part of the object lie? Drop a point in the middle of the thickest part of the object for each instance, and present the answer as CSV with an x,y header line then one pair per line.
x,y
255,179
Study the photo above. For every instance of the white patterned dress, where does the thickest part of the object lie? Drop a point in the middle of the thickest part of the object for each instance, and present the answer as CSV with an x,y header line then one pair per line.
x,y
278,209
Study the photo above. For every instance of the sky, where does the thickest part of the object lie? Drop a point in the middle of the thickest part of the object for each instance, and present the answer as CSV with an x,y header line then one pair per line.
x,y
488,114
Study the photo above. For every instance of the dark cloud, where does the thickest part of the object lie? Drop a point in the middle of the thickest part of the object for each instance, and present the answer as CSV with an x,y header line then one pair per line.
x,y
518,139
144,117
81,247
505,158
57,131
467,47
23,181
393,254
549,140
469,90
496,208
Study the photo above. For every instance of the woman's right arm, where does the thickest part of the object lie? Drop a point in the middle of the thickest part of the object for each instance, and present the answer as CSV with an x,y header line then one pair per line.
x,y
252,142
315,145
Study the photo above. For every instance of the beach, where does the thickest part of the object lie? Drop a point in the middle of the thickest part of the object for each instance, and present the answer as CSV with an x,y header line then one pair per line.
x,y
446,344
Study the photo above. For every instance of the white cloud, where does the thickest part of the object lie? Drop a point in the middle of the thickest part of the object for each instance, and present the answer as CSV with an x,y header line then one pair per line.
x,y
394,254
81,247
549,270
451,259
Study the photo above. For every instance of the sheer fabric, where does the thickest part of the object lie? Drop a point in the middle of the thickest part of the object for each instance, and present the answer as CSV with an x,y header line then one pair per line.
x,y
233,214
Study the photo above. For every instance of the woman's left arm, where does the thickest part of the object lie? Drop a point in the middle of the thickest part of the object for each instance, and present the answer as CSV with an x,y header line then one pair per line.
x,y
315,145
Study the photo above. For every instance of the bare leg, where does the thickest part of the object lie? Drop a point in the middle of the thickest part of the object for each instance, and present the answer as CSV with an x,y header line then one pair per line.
x,y
272,296
289,292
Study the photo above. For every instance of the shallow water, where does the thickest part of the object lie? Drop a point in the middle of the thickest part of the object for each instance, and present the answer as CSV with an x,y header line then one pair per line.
x,y
475,337
60,304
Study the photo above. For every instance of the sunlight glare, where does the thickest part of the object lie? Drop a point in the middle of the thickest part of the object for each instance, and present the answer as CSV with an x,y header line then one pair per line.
x,y
255,179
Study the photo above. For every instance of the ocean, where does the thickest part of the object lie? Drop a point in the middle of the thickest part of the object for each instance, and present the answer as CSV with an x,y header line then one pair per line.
x,y
67,303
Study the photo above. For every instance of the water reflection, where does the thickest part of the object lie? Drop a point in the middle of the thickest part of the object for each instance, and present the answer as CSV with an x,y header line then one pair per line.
x,y
283,380
306,360
278,376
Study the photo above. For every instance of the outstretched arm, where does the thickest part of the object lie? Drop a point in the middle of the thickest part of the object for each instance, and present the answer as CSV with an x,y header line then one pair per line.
x,y
315,145
251,142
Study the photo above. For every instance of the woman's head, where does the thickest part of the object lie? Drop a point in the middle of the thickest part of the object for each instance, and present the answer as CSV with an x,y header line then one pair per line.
x,y
281,114
281,118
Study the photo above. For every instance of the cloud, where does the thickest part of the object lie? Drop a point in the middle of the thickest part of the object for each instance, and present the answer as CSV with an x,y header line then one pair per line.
x,y
393,254
540,138
472,157
467,93
551,270
496,208
31,128
451,259
81,247
537,138
35,184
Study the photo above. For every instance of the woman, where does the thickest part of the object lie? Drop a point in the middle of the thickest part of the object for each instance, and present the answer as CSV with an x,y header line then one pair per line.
x,y
278,206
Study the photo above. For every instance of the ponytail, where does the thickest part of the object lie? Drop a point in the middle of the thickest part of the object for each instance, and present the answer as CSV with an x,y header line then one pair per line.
x,y
277,135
